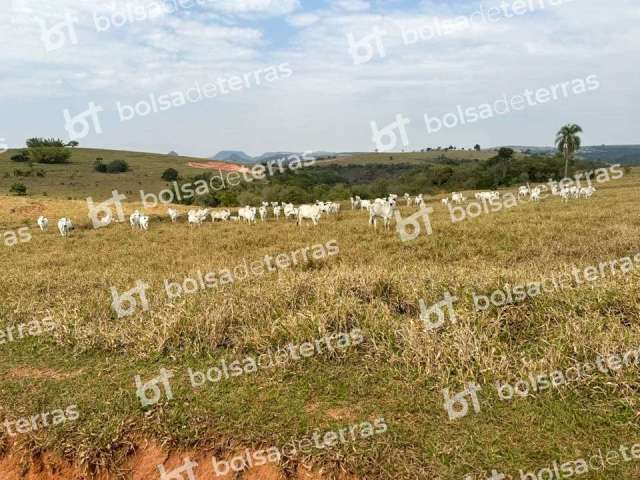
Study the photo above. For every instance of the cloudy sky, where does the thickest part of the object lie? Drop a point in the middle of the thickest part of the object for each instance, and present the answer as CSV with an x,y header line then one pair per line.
x,y
313,74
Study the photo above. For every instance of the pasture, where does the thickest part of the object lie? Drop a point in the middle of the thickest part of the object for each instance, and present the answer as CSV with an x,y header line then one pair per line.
x,y
89,357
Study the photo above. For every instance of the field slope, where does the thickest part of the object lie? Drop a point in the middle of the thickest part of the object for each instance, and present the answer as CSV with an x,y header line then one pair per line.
x,y
89,358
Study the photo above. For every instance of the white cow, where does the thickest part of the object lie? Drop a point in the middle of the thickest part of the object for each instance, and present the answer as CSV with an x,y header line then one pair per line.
x,y
173,214
196,217
419,201
43,223
457,197
355,202
445,201
523,191
248,213
383,211
277,210
290,211
134,219
407,199
274,204
143,222
263,212
310,212
222,215
365,204
65,226
535,194
587,192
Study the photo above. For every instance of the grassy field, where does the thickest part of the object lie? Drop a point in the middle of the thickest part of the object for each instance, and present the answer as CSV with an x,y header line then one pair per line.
x,y
89,357
78,179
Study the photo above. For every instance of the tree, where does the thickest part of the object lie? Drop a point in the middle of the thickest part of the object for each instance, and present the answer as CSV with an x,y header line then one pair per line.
x,y
170,175
506,153
477,147
18,189
568,142
73,144
48,150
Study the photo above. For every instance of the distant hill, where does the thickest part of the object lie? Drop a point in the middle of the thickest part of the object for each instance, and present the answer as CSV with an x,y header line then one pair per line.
x,y
236,156
173,153
622,154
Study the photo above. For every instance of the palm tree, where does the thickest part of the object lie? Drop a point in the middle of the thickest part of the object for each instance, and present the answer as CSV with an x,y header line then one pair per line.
x,y
568,142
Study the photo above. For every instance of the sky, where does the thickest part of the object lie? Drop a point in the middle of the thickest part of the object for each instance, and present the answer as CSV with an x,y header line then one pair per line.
x,y
199,76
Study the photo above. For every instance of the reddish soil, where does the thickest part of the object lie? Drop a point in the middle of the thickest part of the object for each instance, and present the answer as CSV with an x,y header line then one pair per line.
x,y
143,465
225,167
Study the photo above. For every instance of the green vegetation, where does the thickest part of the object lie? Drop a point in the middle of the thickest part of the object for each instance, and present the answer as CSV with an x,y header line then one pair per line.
x,y
18,189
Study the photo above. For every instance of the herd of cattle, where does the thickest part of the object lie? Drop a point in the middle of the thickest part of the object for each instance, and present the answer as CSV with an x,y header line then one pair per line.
x,y
379,209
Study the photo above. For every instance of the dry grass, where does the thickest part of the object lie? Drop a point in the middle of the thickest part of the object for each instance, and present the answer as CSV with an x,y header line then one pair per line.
x,y
374,284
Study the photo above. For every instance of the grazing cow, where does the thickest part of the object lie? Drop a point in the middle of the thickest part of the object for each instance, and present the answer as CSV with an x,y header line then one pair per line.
x,y
587,192
334,207
143,222
277,210
523,191
263,213
196,217
248,213
457,197
355,202
274,204
173,214
365,204
407,199
222,215
43,223
310,212
134,219
535,194
383,211
419,201
290,211
445,201
65,226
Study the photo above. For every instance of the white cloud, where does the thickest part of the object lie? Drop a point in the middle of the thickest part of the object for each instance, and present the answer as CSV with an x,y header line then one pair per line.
x,y
303,19
353,5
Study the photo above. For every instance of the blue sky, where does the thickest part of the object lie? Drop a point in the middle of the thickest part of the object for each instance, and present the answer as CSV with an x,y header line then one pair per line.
x,y
323,97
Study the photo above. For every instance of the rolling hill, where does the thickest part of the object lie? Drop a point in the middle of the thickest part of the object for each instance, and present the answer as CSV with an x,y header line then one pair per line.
x,y
78,179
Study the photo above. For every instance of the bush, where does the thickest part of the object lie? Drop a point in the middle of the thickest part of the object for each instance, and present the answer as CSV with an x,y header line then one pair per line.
x,y
18,189
21,156
117,166
99,166
50,154
170,175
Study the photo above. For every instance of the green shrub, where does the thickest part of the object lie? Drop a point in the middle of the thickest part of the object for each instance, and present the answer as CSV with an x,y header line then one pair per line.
x,y
18,189
170,175
21,156
117,166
